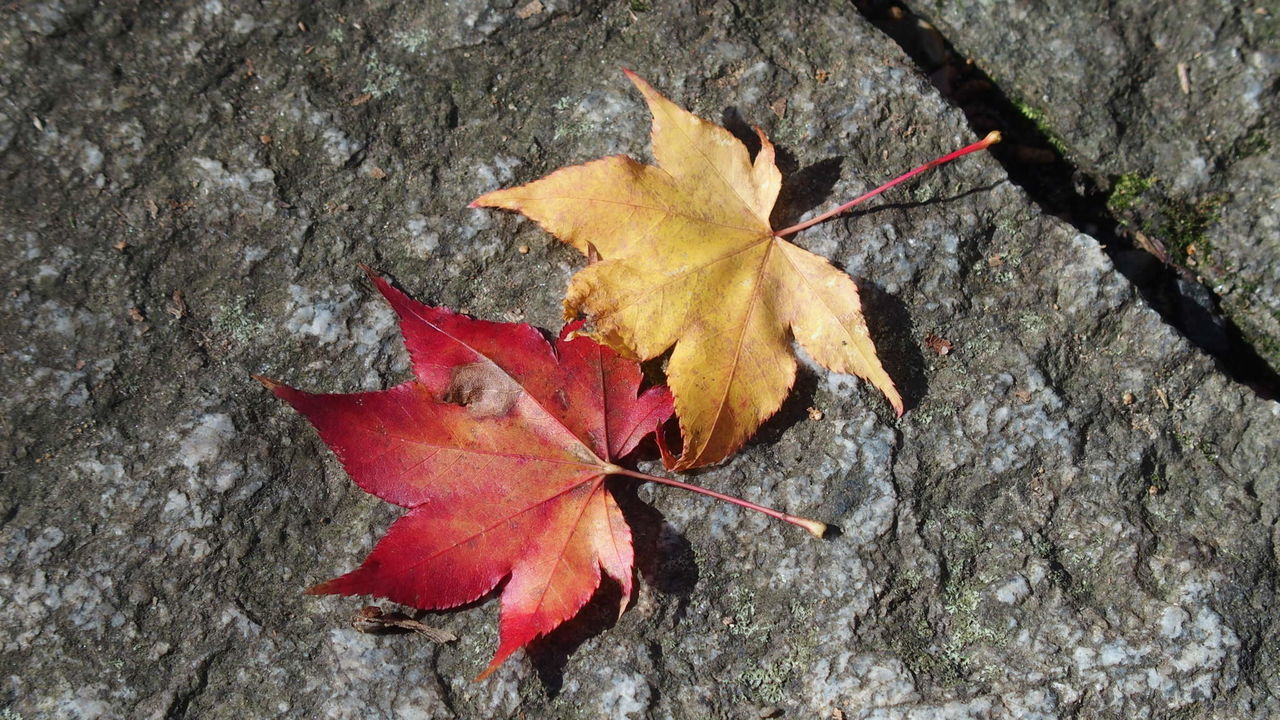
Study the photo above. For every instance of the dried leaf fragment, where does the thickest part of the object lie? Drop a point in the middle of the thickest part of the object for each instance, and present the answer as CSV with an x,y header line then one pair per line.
x,y
177,305
938,344
374,620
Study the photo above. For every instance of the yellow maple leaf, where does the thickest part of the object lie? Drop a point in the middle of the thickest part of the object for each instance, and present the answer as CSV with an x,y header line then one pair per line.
x,y
688,258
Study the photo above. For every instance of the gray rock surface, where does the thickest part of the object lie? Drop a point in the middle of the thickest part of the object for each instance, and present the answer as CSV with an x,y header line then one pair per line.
x,y
1171,106
1075,518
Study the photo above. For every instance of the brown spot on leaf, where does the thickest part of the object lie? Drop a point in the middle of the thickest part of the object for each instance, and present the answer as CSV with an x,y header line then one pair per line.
x,y
483,388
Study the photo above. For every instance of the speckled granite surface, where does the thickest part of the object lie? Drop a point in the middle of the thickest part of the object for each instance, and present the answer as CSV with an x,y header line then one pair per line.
x,y
1075,518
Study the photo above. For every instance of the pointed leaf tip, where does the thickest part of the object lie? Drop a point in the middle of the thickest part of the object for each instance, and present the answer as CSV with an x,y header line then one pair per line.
x,y
641,84
275,387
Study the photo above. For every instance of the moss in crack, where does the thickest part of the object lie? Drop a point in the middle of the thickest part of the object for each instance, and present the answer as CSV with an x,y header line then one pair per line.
x,y
1126,190
1255,143
1154,483
1242,302
1037,118
1181,225
1269,346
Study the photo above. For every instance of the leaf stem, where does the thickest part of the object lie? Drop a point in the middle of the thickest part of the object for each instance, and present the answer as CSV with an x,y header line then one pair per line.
x,y
992,138
815,528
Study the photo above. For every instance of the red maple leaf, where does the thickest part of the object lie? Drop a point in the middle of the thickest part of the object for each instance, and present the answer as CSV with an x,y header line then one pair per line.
x,y
500,447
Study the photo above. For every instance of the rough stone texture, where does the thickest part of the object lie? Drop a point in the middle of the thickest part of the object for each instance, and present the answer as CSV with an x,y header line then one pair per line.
x,y
1075,518
1190,150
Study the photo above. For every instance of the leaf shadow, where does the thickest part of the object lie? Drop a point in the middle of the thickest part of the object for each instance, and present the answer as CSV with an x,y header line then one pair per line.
x,y
731,119
894,333
550,654
803,189
664,559
909,204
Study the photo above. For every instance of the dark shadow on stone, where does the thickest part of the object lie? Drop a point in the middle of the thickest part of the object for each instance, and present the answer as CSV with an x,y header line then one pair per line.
x,y
894,334
738,127
907,205
664,559
802,189
550,653
805,190
655,372
1034,162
